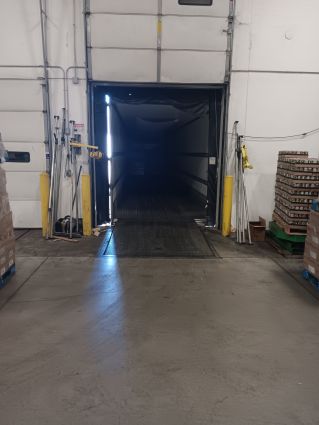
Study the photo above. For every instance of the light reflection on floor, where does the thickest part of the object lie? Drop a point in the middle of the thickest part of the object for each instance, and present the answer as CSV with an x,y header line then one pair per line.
x,y
108,305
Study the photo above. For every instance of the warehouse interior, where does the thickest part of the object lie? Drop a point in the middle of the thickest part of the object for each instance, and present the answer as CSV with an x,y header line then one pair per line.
x,y
159,212
161,150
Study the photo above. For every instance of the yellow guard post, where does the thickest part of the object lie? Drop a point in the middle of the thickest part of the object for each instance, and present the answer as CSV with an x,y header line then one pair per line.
x,y
227,205
44,192
86,205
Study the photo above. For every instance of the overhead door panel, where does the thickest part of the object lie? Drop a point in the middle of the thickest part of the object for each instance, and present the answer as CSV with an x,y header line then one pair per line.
x,y
20,33
28,191
21,107
23,183
135,31
219,8
181,67
22,129
153,41
194,33
22,126
36,153
124,6
26,214
199,44
123,47
27,94
124,65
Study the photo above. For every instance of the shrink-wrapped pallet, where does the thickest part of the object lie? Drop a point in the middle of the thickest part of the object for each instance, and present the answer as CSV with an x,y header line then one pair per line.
x,y
7,241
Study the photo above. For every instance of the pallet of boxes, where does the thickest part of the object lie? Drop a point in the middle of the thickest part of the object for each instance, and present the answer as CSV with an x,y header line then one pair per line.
x,y
7,241
297,185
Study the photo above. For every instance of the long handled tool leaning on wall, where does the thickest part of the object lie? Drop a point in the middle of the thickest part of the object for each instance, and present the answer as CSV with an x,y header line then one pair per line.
x,y
235,164
242,214
53,174
228,187
63,150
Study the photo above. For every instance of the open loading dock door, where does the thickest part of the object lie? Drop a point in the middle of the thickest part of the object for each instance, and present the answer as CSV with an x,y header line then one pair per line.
x,y
161,148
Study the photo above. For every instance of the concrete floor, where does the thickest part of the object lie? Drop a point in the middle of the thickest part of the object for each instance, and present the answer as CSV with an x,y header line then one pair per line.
x,y
133,341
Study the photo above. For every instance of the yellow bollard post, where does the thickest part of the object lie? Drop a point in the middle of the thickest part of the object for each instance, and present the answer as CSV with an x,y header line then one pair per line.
x,y
44,193
86,205
227,205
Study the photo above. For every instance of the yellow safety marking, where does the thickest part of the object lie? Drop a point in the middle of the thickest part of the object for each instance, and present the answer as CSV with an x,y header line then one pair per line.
x,y
82,145
86,205
227,205
44,193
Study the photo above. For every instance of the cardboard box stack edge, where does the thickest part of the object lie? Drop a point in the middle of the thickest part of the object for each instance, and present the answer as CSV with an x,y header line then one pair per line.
x,y
311,257
7,241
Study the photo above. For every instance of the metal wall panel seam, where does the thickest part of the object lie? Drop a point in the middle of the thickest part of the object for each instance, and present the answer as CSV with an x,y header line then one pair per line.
x,y
75,56
23,141
89,95
21,111
155,14
130,84
159,40
262,71
19,79
230,34
24,171
221,155
87,37
45,83
225,106
162,49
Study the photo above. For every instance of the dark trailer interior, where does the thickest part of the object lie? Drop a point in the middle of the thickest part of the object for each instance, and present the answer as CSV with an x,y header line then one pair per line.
x,y
159,168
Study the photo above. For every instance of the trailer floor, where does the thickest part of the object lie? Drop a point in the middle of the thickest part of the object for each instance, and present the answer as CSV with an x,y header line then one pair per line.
x,y
92,339
157,200
152,239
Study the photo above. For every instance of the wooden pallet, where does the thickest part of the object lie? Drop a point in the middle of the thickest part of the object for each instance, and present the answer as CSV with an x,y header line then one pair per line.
x,y
7,275
290,229
282,251
280,234
287,245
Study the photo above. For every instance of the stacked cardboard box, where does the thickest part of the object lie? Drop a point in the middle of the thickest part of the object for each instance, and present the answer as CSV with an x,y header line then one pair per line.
x,y
311,257
7,242
297,184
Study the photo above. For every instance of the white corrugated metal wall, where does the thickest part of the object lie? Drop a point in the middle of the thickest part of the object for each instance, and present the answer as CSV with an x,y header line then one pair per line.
x,y
22,117
21,107
126,43
274,84
274,87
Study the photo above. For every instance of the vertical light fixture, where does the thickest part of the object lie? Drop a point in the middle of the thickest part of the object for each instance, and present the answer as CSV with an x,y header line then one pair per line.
x,y
109,153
